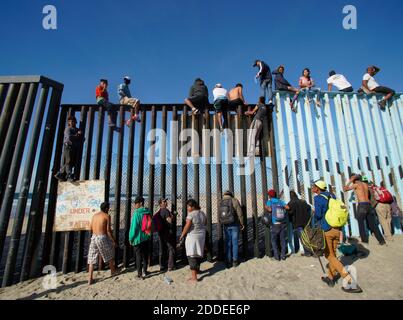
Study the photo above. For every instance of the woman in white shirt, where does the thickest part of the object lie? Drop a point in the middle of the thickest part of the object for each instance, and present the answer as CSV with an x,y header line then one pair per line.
x,y
370,85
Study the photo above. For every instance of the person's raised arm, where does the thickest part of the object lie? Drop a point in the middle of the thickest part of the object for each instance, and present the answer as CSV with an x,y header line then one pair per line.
x,y
350,185
252,112
241,95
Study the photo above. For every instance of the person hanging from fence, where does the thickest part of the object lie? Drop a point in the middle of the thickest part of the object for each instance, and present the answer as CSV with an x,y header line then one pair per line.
x,y
164,222
236,97
139,236
332,215
102,97
281,84
339,81
300,215
256,128
277,209
369,85
125,98
364,214
307,84
195,233
102,241
230,216
221,105
265,80
71,143
198,96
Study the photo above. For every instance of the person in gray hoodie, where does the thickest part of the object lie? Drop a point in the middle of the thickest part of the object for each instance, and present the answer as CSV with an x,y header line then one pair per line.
x,y
198,96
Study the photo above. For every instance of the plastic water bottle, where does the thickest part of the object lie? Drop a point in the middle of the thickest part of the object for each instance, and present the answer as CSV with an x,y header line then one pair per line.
x,y
168,280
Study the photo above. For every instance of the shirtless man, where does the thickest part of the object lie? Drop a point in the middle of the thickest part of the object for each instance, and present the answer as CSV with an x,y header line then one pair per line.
x,y
102,241
236,97
364,212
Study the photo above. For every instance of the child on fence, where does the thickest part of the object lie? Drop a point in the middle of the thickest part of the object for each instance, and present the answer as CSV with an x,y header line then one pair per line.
x,y
307,84
125,98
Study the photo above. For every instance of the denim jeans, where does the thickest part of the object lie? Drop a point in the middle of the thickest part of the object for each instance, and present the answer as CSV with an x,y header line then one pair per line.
x,y
266,90
297,237
231,241
279,231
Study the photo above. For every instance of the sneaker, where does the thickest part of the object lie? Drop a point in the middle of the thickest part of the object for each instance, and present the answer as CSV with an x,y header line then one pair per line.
x,y
195,111
283,258
143,275
351,290
60,176
328,281
128,122
382,104
228,265
277,258
235,264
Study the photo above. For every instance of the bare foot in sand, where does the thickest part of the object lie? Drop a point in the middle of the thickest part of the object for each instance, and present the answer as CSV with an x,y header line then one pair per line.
x,y
193,280
90,282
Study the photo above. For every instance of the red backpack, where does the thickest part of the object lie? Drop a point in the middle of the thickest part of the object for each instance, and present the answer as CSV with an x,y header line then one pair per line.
x,y
382,195
146,224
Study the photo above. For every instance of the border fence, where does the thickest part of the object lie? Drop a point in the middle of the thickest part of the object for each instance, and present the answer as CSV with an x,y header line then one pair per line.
x,y
348,133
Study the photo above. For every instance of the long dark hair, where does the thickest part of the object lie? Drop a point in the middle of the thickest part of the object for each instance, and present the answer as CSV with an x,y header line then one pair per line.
x,y
309,73
193,204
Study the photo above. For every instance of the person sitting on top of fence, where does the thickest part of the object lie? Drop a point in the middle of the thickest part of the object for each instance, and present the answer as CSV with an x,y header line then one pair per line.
x,y
370,85
281,84
306,83
339,81
102,96
236,97
125,97
220,105
198,96
102,241
71,143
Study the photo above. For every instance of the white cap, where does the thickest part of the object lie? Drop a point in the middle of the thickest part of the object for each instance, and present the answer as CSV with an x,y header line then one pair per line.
x,y
218,85
127,78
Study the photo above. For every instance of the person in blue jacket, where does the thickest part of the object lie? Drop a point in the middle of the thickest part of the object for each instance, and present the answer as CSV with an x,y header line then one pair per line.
x,y
332,237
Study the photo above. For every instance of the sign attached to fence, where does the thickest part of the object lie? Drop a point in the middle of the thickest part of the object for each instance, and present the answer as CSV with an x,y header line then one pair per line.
x,y
76,204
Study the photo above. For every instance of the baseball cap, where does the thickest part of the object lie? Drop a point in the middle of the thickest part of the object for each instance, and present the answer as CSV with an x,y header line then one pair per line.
x,y
320,184
228,193
127,78
272,193
255,64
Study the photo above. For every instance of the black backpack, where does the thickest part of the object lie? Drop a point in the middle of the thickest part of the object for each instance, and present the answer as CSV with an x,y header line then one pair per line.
x,y
226,212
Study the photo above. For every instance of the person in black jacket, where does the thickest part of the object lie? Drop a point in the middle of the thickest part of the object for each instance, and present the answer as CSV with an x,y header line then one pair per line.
x,y
281,84
300,214
198,96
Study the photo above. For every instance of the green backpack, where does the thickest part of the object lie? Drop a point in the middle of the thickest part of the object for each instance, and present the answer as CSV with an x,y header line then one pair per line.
x,y
337,213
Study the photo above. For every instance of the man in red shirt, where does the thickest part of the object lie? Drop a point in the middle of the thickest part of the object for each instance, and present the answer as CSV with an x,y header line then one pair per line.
x,y
102,96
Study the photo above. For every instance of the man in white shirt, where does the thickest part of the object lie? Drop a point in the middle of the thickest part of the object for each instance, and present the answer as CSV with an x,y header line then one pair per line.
x,y
220,104
339,81
369,84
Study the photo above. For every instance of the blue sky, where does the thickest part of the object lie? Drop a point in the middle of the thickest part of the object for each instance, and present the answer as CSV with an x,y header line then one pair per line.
x,y
165,45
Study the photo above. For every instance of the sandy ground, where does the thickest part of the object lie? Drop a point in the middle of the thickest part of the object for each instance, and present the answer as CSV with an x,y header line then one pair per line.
x,y
379,274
